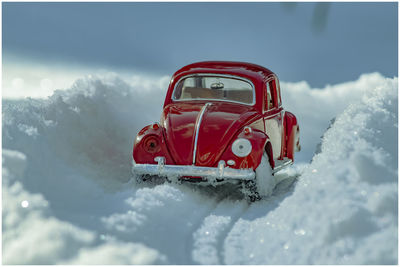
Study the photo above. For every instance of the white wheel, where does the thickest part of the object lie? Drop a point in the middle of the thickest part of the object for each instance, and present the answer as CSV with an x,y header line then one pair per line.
x,y
265,181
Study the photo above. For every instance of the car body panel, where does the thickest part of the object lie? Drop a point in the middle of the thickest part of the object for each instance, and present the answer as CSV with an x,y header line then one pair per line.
x,y
274,128
220,120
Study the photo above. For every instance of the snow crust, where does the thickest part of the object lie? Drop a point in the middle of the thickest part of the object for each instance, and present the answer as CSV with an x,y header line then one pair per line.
x,y
68,196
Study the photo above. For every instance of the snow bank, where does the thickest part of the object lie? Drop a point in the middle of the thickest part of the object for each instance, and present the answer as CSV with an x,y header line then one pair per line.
x,y
76,155
344,207
32,235
66,184
315,107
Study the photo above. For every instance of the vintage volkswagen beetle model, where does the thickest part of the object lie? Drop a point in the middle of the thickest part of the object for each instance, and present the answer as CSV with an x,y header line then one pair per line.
x,y
221,122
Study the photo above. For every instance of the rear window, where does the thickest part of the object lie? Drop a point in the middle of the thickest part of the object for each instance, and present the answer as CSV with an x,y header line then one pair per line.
x,y
211,87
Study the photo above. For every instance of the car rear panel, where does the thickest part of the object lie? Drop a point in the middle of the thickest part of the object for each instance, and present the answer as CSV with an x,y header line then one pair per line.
x,y
219,124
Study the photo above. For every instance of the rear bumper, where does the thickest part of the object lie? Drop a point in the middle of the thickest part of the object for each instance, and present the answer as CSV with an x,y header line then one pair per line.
x,y
208,174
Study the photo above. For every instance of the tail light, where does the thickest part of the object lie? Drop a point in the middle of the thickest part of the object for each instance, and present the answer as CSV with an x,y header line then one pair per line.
x,y
247,130
151,144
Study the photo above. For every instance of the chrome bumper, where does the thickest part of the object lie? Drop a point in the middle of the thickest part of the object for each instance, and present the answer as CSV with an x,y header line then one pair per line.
x,y
209,174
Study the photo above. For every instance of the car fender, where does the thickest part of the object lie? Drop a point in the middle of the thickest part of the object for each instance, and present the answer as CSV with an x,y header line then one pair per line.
x,y
292,135
258,140
141,152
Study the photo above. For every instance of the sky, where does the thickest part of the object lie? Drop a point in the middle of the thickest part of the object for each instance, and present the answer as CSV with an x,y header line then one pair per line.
x,y
321,43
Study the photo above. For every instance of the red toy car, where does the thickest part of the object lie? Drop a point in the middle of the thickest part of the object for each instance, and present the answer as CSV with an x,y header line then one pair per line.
x,y
222,122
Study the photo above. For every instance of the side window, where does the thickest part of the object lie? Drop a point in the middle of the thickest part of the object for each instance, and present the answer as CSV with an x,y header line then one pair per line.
x,y
269,102
278,91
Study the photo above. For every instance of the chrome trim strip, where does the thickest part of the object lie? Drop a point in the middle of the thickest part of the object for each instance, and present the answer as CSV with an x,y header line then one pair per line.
x,y
210,173
270,116
283,135
203,109
216,75
281,164
216,100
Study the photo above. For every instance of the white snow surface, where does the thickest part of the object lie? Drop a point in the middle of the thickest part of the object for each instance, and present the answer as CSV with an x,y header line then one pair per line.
x,y
68,195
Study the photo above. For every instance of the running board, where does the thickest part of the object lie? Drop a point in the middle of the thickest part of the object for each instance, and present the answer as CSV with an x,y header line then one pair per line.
x,y
280,164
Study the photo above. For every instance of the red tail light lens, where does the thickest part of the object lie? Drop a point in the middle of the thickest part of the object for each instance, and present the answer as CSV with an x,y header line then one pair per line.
x,y
151,144
247,130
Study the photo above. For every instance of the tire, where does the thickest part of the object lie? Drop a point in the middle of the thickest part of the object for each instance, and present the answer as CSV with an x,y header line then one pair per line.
x,y
138,179
143,180
249,189
263,184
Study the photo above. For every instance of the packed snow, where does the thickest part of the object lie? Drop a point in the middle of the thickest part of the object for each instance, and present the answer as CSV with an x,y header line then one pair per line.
x,y
69,196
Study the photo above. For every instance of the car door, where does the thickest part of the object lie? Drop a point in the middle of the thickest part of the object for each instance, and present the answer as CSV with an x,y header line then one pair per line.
x,y
273,116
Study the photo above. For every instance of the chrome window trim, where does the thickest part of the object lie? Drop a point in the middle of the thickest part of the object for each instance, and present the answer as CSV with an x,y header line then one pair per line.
x,y
215,75
270,116
203,109
275,78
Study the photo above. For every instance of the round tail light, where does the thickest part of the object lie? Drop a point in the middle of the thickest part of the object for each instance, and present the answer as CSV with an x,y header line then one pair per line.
x,y
151,144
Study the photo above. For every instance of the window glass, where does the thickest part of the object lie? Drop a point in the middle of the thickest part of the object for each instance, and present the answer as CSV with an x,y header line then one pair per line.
x,y
214,88
278,91
269,101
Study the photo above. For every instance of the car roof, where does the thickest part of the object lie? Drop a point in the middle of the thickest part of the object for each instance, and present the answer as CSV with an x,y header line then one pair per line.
x,y
250,70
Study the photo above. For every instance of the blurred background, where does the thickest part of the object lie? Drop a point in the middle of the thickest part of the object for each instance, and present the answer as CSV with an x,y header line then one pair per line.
x,y
47,46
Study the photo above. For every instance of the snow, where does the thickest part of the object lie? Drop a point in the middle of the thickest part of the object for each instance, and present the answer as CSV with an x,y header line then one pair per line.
x,y
67,184
345,200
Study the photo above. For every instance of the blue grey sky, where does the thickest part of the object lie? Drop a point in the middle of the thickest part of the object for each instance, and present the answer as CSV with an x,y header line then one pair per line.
x,y
321,43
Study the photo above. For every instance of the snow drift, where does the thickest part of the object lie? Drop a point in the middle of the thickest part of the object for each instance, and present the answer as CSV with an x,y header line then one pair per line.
x,y
68,197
